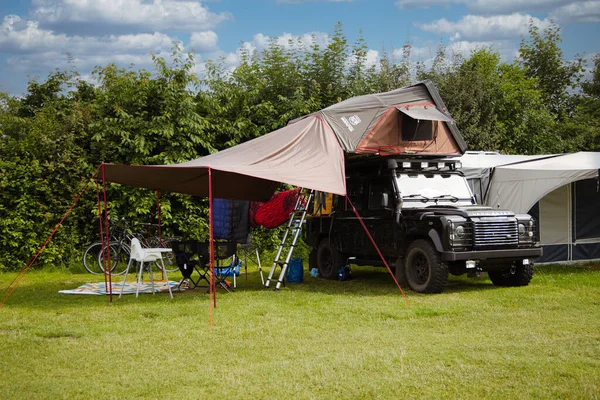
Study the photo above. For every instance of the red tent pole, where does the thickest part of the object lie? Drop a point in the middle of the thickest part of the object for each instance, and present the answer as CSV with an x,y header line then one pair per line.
x,y
101,228
107,268
158,212
15,282
213,285
378,251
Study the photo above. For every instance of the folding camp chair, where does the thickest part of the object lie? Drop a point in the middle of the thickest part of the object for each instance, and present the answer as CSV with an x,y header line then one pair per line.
x,y
224,251
188,264
250,251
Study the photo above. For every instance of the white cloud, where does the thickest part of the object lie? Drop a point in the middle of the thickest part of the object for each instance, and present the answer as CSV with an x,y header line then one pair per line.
x,y
20,36
17,35
491,7
587,11
149,14
204,41
508,50
36,50
372,58
288,41
473,27
416,53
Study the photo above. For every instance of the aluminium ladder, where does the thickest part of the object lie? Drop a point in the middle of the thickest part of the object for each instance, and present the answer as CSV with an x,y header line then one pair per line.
x,y
291,234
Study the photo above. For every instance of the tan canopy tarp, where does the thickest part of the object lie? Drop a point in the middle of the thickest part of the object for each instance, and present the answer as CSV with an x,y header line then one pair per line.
x,y
305,154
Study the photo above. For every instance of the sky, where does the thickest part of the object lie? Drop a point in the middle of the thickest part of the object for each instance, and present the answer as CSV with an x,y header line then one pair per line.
x,y
39,36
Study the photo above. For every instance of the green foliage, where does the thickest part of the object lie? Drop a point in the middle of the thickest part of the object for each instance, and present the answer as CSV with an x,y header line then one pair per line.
x,y
470,93
43,146
543,59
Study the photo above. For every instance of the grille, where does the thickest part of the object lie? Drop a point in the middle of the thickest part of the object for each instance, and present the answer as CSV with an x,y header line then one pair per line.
x,y
495,233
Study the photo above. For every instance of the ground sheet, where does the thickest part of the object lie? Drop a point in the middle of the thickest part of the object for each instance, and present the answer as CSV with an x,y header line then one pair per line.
x,y
100,288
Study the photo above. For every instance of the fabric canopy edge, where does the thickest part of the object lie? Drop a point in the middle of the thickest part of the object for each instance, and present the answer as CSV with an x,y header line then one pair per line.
x,y
261,189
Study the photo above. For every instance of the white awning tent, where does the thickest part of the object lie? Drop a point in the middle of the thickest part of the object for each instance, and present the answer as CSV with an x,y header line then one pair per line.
x,y
561,191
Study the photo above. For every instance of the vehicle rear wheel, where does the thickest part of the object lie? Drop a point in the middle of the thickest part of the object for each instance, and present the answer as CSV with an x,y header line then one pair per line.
x,y
329,260
425,272
515,275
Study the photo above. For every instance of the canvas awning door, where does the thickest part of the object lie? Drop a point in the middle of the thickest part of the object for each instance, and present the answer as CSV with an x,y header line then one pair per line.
x,y
429,113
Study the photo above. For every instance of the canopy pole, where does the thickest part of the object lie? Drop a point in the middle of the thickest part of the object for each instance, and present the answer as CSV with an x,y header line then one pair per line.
x,y
107,268
17,279
101,231
158,215
213,286
378,251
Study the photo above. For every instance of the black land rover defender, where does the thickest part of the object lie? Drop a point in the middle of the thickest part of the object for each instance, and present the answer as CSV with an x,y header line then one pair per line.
x,y
424,219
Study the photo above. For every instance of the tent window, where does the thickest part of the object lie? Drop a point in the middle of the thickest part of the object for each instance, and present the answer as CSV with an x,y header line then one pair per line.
x,y
587,218
413,129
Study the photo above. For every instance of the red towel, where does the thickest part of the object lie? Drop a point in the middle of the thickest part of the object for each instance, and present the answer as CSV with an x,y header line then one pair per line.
x,y
277,210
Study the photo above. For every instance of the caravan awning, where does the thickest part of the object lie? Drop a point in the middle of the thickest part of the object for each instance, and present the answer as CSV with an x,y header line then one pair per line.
x,y
519,186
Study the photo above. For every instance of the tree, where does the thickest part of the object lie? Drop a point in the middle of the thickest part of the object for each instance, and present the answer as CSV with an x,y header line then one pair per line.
x,y
543,59
470,93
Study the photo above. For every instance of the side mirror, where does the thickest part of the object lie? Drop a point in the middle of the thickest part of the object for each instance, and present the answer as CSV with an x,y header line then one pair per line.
x,y
392,164
385,202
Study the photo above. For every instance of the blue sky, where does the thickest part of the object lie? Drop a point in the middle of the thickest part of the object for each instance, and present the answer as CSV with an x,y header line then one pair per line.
x,y
38,36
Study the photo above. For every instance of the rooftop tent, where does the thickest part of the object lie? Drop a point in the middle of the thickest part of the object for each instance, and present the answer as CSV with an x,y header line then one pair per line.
x,y
409,120
309,152
560,191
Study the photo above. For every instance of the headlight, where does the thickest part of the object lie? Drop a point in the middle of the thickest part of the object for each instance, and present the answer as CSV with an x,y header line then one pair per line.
x,y
526,227
458,231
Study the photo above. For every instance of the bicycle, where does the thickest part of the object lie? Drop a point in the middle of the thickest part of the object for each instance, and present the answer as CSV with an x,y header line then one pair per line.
x,y
93,254
120,237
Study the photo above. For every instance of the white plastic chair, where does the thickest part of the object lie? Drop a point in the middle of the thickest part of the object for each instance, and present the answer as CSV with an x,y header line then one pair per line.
x,y
142,255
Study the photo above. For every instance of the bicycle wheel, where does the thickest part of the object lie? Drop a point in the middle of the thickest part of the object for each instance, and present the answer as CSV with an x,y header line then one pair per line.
x,y
90,259
119,258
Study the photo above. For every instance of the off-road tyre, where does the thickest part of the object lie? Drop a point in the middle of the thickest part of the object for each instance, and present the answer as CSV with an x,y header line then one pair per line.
x,y
516,275
329,260
425,272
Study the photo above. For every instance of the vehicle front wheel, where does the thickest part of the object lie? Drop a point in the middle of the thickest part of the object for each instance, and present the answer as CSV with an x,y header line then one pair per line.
x,y
329,260
515,275
424,270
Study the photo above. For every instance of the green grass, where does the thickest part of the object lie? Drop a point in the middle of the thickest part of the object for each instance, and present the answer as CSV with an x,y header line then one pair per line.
x,y
318,339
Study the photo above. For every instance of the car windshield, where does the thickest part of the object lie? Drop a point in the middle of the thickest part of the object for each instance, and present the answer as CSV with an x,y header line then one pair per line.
x,y
420,190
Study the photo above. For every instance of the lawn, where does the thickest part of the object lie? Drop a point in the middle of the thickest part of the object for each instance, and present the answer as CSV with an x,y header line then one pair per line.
x,y
317,339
